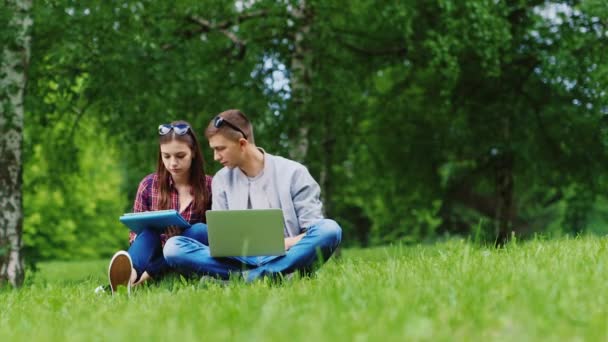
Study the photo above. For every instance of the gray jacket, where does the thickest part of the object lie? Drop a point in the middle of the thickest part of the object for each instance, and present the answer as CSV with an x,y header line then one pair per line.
x,y
290,187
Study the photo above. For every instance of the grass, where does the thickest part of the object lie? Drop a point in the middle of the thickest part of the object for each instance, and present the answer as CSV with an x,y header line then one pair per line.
x,y
539,290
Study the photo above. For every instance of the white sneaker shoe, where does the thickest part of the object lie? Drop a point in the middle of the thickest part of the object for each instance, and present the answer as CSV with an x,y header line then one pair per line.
x,y
119,271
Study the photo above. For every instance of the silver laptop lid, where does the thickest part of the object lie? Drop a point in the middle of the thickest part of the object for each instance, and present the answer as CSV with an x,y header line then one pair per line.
x,y
252,232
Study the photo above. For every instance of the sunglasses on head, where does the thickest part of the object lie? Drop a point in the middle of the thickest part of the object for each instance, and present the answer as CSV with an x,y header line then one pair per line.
x,y
179,129
219,121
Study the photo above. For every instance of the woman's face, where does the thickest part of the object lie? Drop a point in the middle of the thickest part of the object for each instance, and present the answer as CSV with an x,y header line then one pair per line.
x,y
177,157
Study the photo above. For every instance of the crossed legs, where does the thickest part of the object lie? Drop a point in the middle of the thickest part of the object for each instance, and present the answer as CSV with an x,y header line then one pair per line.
x,y
189,256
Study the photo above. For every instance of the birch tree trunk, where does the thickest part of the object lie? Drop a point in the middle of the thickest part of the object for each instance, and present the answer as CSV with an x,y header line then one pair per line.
x,y
301,91
301,79
302,99
13,66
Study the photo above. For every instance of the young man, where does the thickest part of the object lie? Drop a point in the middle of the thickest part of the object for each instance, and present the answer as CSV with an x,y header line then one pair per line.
x,y
254,179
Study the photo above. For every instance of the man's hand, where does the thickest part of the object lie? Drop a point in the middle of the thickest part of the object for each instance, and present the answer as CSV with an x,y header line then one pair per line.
x,y
291,241
172,231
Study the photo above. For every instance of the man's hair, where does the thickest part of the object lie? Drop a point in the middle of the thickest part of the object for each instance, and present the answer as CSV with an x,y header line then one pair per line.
x,y
236,118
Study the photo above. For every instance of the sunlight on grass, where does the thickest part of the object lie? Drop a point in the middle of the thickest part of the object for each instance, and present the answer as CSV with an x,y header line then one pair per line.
x,y
539,290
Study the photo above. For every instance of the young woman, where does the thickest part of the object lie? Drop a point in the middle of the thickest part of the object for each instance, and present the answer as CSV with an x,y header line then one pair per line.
x,y
179,183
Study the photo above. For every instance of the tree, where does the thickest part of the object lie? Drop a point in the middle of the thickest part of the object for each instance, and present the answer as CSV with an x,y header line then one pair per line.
x,y
490,114
415,117
13,70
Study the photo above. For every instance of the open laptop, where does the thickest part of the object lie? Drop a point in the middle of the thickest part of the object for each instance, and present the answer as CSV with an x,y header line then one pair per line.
x,y
251,232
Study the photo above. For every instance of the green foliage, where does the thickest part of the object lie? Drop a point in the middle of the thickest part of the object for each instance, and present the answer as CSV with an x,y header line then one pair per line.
x,y
7,34
480,83
79,218
449,291
415,112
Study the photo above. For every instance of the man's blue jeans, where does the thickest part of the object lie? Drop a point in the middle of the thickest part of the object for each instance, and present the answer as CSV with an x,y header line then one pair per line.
x,y
189,256
147,254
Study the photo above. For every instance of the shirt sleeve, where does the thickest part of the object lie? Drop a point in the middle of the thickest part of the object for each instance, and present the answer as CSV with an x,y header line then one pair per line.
x,y
142,201
306,196
142,198
219,200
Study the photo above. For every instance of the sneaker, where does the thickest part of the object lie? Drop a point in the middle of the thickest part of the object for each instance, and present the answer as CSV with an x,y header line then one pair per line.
x,y
119,271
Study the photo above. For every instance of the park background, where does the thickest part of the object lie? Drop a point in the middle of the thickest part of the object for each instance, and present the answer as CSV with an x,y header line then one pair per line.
x,y
419,119
462,146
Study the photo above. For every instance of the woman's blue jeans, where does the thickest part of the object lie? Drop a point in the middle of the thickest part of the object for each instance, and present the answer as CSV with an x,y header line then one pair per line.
x,y
189,256
147,253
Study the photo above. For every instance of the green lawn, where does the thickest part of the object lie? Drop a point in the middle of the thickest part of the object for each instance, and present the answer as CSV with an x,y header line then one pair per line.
x,y
539,290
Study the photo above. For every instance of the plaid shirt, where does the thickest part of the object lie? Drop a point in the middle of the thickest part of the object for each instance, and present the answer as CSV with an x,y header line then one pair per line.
x,y
148,195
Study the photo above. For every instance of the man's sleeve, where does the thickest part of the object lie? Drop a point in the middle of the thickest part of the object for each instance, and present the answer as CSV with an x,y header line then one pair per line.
x,y
219,201
306,195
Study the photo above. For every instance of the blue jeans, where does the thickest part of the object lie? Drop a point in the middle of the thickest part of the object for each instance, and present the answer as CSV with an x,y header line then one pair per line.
x,y
189,256
147,254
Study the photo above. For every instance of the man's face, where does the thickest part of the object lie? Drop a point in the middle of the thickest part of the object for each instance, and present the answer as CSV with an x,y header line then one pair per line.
x,y
225,151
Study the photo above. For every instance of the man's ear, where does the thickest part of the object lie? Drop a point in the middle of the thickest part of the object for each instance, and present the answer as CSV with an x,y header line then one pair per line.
x,y
243,142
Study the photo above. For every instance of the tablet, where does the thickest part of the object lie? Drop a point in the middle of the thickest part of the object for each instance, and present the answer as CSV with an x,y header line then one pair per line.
x,y
157,220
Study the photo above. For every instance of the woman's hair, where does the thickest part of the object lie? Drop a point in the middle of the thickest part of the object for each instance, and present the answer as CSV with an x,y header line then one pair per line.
x,y
197,178
236,118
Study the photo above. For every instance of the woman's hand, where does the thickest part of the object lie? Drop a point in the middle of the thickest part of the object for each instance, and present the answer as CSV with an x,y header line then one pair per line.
x,y
172,231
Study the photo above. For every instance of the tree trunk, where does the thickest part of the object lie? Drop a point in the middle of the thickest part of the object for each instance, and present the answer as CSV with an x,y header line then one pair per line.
x,y
13,66
301,91
327,160
504,187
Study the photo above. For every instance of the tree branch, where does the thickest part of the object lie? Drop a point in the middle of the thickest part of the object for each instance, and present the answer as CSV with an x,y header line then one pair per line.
x,y
223,27
227,23
399,51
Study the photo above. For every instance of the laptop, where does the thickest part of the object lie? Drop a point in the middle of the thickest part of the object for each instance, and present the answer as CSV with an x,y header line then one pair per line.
x,y
251,232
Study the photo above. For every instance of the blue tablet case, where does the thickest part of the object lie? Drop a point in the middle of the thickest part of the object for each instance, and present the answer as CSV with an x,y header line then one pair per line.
x,y
157,220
